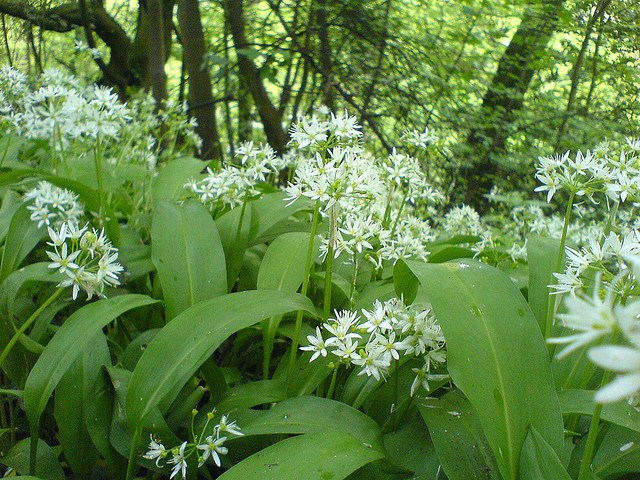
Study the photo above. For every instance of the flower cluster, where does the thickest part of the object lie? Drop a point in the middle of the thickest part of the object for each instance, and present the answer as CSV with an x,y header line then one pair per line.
x,y
389,330
204,446
613,172
602,254
371,204
53,206
86,257
233,184
419,139
596,318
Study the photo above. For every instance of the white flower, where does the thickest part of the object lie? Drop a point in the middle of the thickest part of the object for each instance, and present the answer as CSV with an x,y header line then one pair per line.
x,y
317,345
621,359
156,451
179,461
213,447
593,317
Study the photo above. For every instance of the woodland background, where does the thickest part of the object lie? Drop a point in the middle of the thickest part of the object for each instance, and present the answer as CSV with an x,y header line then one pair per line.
x,y
497,82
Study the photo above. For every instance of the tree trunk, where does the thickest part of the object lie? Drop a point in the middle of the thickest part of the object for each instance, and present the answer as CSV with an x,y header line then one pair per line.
x,y
201,104
504,98
249,73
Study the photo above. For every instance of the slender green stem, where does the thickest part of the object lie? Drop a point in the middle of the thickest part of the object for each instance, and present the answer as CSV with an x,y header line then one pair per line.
x,y
97,160
334,376
23,328
6,150
551,303
304,288
131,466
354,280
328,273
395,222
587,455
612,216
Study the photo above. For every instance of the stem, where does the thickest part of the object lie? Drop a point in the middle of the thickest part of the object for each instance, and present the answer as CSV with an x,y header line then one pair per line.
x,y
395,222
304,288
354,280
97,160
6,150
589,448
327,282
332,385
612,216
551,302
131,465
27,324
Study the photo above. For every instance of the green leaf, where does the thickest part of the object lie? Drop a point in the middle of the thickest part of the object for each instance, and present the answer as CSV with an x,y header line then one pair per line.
x,y
72,395
183,345
268,212
581,402
323,455
458,438
309,415
541,255
68,344
22,237
170,181
618,454
538,461
282,268
48,467
249,395
410,446
496,354
188,255
235,240
99,414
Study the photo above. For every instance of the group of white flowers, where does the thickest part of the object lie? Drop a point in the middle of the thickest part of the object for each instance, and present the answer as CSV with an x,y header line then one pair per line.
x,y
203,445
86,257
376,340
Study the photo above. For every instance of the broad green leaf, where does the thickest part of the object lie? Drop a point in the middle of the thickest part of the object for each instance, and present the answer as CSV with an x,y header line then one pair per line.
x,y
68,344
541,255
22,237
252,394
308,415
306,375
410,446
322,455
282,268
188,255
496,354
99,414
72,395
581,402
538,461
618,454
458,437
47,466
270,210
234,227
170,181
183,345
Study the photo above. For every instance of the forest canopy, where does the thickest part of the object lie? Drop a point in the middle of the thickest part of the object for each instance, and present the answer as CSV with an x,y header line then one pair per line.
x,y
498,83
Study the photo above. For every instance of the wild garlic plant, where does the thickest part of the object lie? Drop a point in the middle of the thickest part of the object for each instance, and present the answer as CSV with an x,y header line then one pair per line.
x,y
52,206
377,339
208,444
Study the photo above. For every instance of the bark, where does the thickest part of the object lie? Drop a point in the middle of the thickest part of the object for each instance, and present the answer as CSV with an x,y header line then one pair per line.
x,y
503,99
325,54
249,73
201,103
